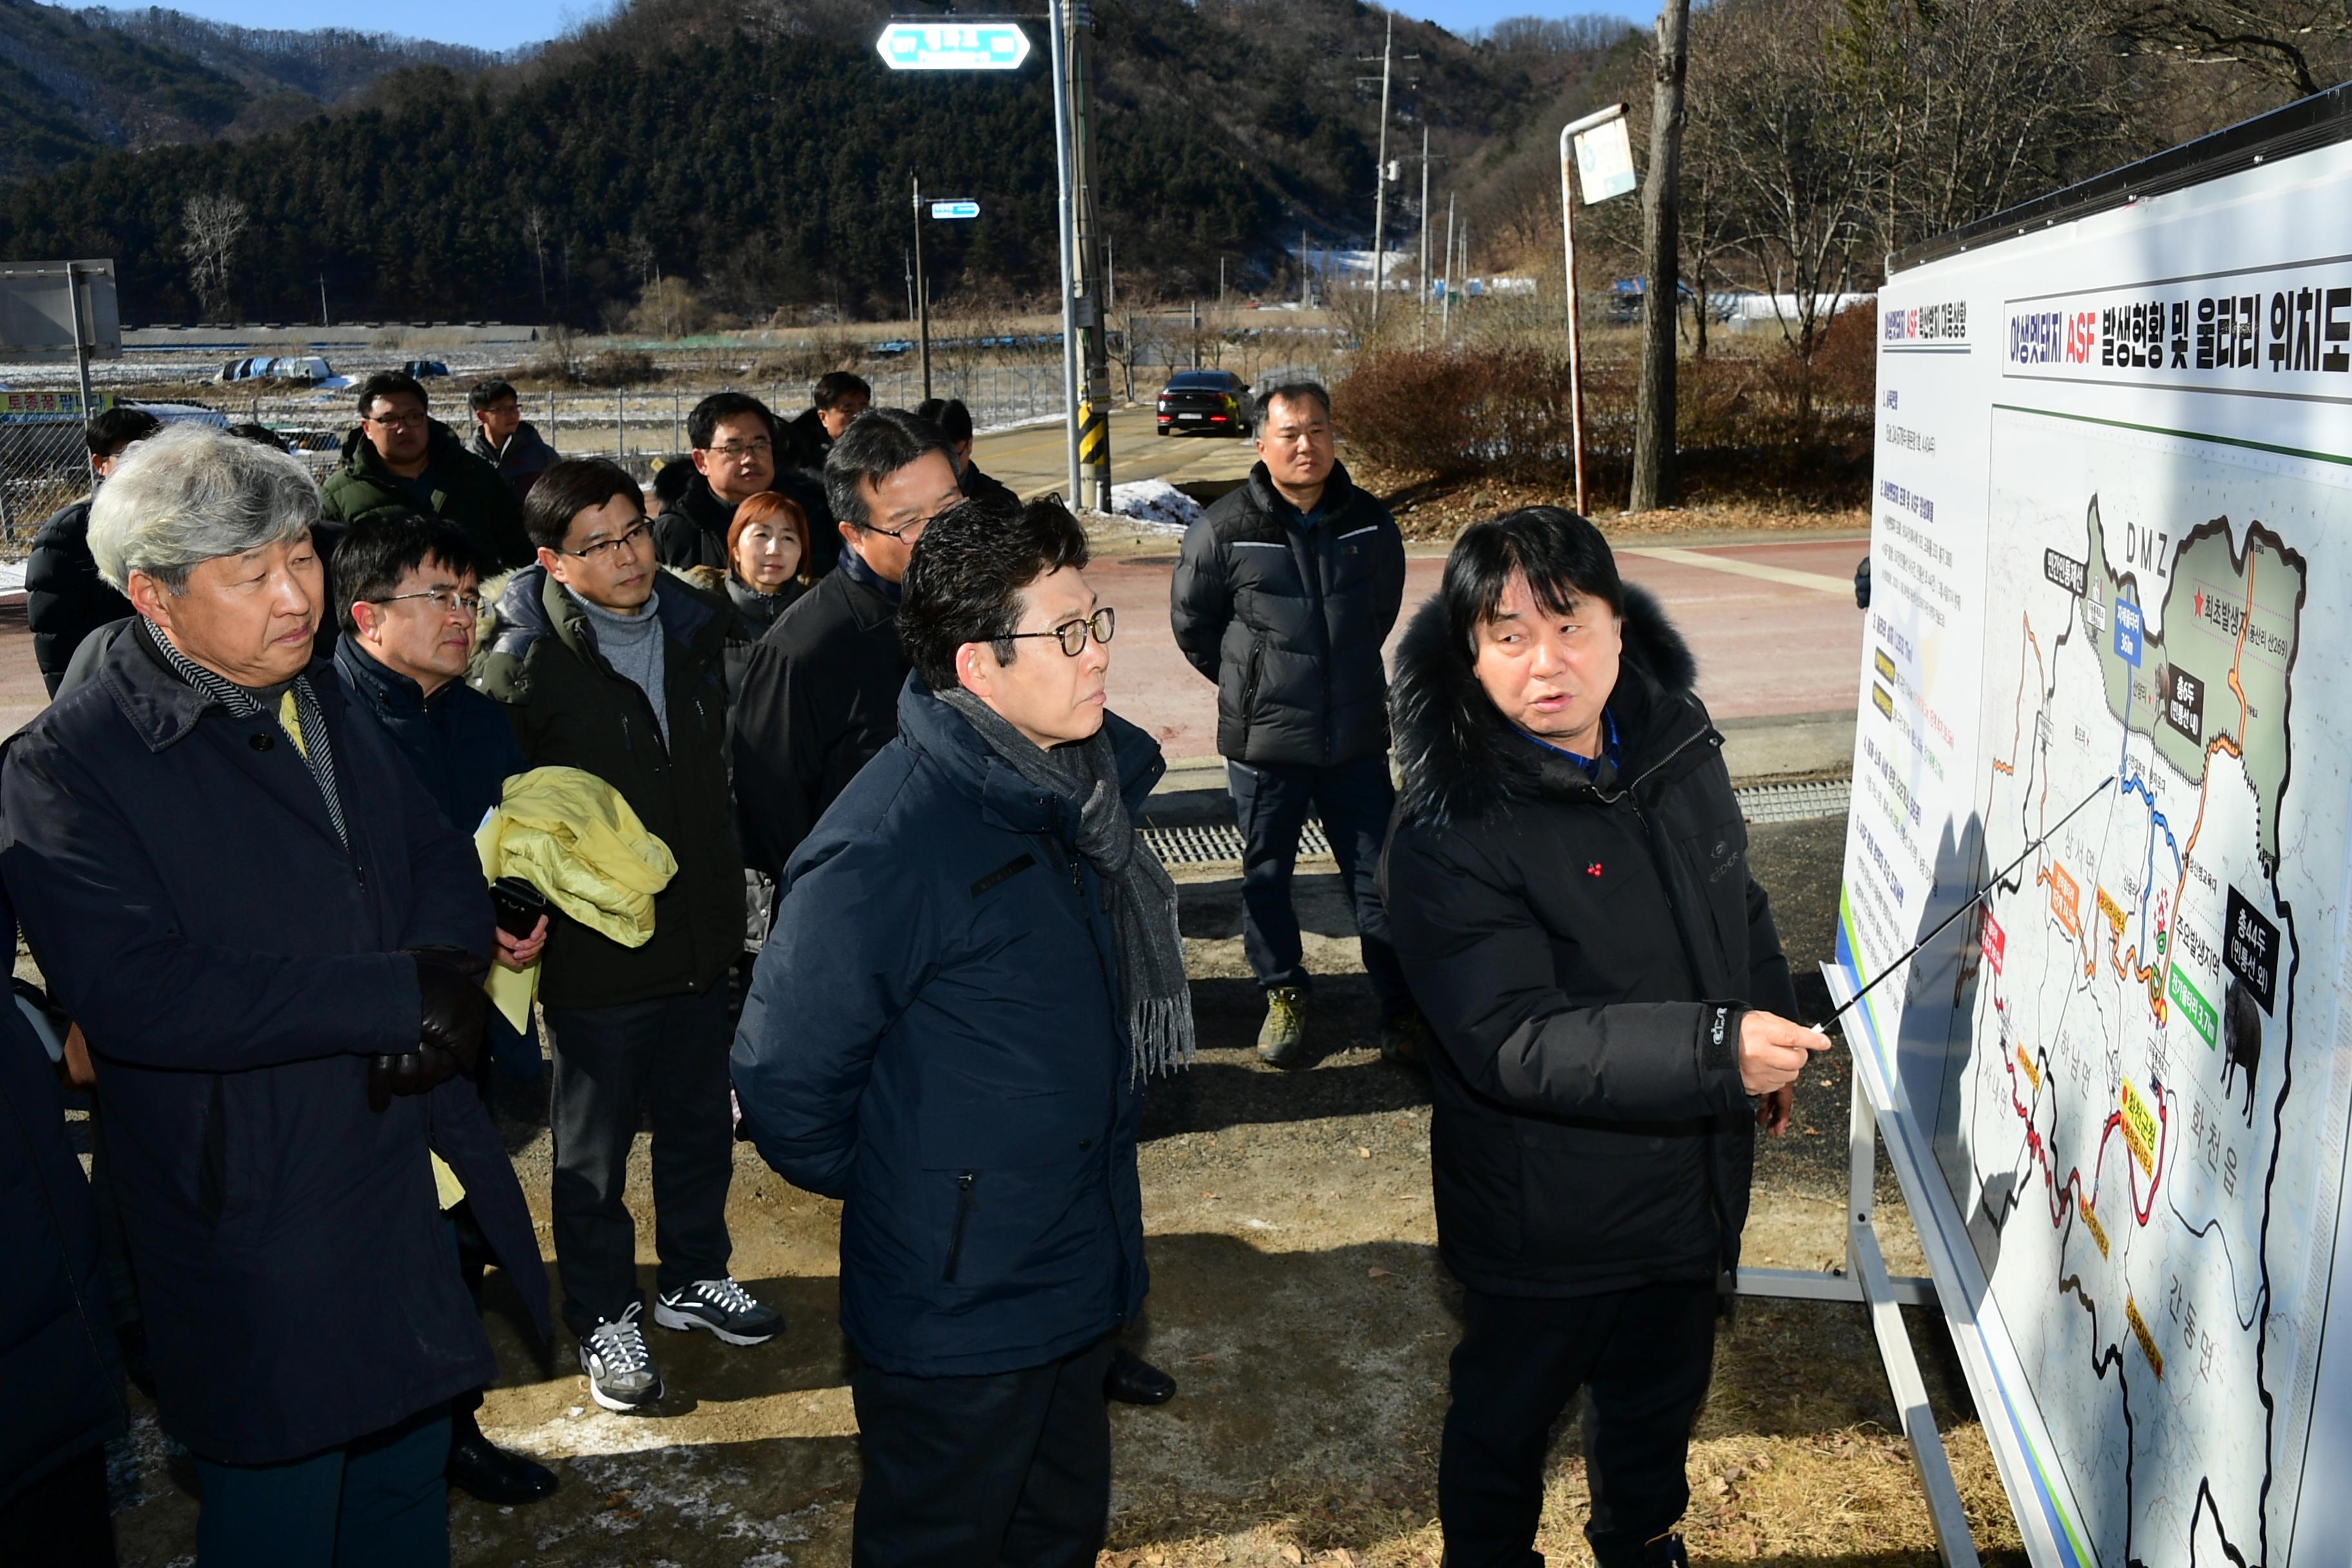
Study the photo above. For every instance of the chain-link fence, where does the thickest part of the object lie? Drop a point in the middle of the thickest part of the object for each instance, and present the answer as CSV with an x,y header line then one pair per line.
x,y
44,462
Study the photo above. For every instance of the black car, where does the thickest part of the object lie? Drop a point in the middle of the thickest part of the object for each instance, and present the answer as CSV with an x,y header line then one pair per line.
x,y
1215,402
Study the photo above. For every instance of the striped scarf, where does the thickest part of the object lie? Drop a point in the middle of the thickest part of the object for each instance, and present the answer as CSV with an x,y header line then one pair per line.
x,y
299,714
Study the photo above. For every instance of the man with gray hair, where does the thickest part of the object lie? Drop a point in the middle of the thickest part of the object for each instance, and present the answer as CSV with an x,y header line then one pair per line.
x,y
272,939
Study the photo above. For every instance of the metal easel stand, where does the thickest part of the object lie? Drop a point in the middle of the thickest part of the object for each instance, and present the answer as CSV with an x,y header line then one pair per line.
x,y
1865,1280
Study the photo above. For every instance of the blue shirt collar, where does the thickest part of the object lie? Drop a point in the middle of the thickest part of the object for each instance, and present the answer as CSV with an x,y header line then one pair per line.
x,y
1592,765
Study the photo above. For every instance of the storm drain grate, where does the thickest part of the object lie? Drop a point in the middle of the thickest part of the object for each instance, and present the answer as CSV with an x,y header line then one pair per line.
x,y
1220,843
1796,802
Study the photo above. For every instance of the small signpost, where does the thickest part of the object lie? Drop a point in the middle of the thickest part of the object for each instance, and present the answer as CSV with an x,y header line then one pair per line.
x,y
1604,158
953,45
955,210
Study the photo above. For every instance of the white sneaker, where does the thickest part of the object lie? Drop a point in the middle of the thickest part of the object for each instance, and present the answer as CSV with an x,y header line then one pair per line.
x,y
721,1306
619,1370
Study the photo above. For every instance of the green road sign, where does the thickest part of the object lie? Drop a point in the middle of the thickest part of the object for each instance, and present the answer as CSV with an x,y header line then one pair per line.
x,y
953,45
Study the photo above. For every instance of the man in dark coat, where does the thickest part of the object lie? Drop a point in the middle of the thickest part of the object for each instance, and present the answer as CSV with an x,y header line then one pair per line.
x,y
65,600
1284,593
1569,885
836,401
504,439
954,421
975,962
401,460
272,941
735,458
606,663
820,694
406,591
56,1347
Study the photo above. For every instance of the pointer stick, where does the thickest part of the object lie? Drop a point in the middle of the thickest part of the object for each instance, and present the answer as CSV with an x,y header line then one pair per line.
x,y
1973,899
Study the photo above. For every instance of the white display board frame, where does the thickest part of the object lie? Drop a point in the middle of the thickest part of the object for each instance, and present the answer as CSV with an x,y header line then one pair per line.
x,y
2012,322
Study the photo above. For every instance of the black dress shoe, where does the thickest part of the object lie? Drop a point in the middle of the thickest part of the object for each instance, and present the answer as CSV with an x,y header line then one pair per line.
x,y
490,1472
1132,1379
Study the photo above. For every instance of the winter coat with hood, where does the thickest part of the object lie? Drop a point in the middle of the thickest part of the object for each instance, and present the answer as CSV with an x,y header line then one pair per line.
x,y
935,1035
234,964
1584,948
463,490
1288,620
571,709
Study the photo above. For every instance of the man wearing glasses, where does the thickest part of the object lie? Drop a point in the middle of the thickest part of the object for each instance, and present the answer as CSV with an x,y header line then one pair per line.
x,y
607,665
400,460
820,695
405,591
734,437
975,966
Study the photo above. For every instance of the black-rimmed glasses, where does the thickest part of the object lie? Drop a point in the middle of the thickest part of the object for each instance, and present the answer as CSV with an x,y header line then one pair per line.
x,y
444,600
1072,635
610,549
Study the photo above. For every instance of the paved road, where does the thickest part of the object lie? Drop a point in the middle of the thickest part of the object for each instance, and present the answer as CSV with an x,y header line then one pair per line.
x,y
1774,628
1036,459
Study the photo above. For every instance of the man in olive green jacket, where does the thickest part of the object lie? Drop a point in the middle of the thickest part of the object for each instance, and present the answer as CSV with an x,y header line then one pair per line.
x,y
401,460
606,663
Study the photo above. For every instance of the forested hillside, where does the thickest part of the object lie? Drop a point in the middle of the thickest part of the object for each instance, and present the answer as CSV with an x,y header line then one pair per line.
x,y
760,155
74,84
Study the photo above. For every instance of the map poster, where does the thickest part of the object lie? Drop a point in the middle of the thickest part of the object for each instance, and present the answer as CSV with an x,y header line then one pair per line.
x,y
2112,558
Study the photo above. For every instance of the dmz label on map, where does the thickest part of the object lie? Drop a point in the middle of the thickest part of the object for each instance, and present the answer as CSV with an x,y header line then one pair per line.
x,y
2286,330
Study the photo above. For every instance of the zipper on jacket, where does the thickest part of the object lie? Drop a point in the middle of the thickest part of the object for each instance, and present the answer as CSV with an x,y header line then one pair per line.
x,y
1249,688
963,1213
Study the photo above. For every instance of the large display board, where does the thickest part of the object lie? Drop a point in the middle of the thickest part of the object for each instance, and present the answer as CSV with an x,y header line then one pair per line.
x,y
2112,552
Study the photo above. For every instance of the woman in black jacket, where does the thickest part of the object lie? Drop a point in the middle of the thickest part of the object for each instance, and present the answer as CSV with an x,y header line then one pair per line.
x,y
769,567
1569,890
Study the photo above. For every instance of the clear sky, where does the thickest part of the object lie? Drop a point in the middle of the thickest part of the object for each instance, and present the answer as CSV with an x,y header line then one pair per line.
x,y
503,26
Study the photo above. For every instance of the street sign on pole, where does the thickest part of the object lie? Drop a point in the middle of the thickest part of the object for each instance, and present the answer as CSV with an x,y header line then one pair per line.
x,y
955,210
953,45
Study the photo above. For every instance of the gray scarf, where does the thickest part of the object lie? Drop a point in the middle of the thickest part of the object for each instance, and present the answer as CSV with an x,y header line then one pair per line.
x,y
1138,894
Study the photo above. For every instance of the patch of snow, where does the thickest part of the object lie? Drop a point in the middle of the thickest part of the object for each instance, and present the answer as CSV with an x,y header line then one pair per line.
x,y
1155,506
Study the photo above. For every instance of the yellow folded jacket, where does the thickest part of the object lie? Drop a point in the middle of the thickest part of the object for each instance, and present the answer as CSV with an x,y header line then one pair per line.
x,y
570,834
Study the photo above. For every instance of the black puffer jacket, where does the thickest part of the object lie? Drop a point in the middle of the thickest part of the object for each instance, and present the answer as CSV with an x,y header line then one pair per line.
x,y
1288,620
65,598
1584,950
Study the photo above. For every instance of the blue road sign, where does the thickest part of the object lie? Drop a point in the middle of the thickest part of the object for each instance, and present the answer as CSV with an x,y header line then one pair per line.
x,y
953,45
955,210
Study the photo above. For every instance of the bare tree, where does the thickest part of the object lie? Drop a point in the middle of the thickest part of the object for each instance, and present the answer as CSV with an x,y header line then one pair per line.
x,y
2297,45
214,223
1794,157
1654,409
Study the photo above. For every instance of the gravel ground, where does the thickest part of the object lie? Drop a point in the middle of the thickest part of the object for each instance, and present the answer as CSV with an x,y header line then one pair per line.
x,y
1298,1298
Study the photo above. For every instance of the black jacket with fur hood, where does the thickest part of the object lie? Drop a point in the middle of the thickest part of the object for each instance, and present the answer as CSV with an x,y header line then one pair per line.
x,y
1583,948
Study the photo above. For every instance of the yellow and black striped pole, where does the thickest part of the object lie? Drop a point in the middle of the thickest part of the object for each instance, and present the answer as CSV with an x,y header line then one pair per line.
x,y
1094,454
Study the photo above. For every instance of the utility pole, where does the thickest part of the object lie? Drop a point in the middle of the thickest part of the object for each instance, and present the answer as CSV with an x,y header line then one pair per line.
x,y
1445,305
922,295
1421,217
322,301
1054,12
1380,174
1221,282
1090,261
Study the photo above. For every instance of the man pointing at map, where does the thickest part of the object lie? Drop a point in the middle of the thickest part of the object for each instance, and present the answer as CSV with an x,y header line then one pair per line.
x,y
1567,884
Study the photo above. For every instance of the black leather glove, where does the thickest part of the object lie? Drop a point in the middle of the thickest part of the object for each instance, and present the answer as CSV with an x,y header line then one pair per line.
x,y
449,1027
456,1008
